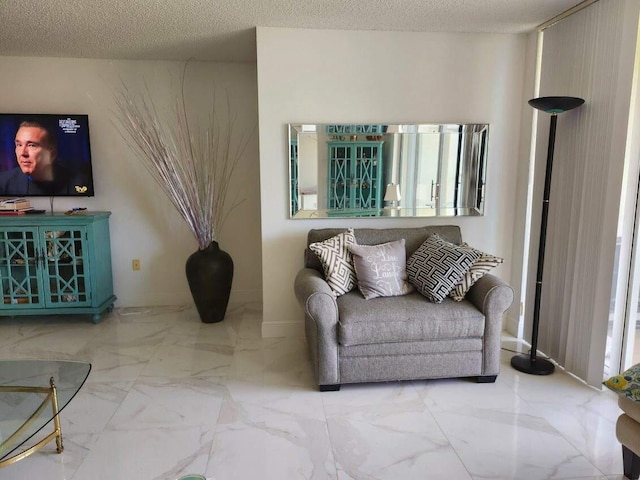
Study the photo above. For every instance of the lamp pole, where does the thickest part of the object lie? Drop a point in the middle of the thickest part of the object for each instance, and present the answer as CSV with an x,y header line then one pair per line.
x,y
552,105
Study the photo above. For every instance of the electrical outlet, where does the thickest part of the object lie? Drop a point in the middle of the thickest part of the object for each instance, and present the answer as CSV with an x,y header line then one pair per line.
x,y
135,264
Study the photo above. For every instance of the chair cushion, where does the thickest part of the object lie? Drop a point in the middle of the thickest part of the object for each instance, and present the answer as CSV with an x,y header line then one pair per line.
x,y
407,318
630,407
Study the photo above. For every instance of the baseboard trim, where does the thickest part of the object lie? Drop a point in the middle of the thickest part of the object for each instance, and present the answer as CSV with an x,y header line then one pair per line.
x,y
245,296
184,298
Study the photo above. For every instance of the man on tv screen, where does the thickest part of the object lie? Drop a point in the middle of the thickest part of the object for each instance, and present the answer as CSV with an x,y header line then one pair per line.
x,y
37,172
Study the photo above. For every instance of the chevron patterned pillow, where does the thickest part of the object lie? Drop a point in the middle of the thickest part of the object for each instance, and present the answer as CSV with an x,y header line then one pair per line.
x,y
482,265
437,266
337,261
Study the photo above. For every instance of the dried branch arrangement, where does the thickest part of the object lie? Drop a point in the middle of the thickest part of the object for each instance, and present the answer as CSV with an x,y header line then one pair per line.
x,y
193,166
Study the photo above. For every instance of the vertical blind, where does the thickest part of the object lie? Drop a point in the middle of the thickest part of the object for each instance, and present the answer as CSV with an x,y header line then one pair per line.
x,y
583,56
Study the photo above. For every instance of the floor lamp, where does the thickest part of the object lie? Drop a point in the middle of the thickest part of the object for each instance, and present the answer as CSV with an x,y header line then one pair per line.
x,y
553,105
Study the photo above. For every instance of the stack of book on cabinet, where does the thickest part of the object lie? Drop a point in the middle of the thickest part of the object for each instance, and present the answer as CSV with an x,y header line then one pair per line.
x,y
14,206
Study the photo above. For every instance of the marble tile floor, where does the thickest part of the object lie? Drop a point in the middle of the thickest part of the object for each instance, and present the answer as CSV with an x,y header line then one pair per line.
x,y
169,395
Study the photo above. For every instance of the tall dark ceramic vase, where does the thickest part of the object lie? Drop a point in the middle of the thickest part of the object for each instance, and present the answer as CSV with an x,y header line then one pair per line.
x,y
210,273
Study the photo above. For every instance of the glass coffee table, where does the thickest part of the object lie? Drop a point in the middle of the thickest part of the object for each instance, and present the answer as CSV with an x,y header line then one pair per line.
x,y
32,394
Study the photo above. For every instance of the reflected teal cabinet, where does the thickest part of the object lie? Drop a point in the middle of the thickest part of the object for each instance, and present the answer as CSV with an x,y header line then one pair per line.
x,y
355,175
293,176
56,264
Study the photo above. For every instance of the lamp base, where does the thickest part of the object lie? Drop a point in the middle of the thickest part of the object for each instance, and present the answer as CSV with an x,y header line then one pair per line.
x,y
536,366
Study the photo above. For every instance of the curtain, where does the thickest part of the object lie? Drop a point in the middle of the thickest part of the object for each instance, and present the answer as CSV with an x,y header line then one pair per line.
x,y
589,54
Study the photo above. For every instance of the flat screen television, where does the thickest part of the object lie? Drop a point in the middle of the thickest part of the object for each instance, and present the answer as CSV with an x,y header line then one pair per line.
x,y
45,155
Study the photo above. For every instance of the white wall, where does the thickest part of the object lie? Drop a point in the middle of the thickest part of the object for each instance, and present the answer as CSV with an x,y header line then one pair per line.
x,y
320,76
524,198
144,224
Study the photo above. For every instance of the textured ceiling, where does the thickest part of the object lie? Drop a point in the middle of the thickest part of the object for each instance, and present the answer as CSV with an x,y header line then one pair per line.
x,y
224,30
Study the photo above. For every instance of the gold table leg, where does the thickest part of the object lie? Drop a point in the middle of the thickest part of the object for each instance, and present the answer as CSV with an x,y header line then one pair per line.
x,y
56,418
51,396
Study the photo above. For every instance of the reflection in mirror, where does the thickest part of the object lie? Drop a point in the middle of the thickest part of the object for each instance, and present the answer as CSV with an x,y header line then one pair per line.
x,y
387,170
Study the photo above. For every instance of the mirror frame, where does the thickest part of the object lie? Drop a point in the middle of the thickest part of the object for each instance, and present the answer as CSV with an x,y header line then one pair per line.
x,y
470,154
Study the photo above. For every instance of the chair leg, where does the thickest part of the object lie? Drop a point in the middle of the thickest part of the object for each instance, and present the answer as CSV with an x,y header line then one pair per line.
x,y
631,464
329,388
486,379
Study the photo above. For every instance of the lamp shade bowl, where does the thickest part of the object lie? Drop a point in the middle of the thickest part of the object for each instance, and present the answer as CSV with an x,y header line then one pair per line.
x,y
555,104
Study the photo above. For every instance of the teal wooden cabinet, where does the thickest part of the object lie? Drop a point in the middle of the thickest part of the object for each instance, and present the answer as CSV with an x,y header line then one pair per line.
x,y
355,176
56,264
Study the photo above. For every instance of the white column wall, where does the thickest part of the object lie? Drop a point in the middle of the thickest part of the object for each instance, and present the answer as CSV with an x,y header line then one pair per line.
x,y
320,76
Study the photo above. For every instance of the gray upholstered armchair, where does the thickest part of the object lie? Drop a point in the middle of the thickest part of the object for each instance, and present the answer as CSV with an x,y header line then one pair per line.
x,y
354,340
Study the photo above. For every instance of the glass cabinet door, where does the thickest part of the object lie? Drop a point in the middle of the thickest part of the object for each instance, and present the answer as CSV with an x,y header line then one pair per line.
x,y
355,174
366,178
20,277
293,175
340,176
65,271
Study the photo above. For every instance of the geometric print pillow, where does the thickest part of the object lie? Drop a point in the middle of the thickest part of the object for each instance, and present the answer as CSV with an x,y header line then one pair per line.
x,y
437,266
337,261
482,265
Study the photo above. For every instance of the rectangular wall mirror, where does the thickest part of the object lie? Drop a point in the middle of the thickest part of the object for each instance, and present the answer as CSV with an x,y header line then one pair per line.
x,y
417,170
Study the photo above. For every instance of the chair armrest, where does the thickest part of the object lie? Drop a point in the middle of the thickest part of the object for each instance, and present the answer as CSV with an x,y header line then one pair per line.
x,y
321,323
492,297
490,294
308,282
